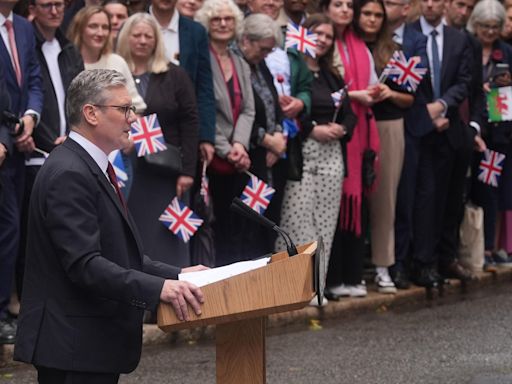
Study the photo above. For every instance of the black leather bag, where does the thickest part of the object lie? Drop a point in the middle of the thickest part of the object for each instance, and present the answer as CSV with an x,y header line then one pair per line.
x,y
168,162
368,168
369,156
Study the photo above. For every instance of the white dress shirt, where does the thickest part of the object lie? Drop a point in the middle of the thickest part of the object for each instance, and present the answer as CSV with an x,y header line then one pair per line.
x,y
171,37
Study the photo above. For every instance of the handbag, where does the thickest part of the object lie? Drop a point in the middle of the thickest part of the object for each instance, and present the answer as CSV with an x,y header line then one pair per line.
x,y
471,231
369,156
168,162
221,166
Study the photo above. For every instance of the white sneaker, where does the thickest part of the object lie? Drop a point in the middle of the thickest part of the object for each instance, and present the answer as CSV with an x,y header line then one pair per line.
x,y
384,283
314,302
358,290
339,290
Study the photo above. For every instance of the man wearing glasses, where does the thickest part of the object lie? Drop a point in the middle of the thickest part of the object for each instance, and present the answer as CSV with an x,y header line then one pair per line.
x,y
86,278
60,62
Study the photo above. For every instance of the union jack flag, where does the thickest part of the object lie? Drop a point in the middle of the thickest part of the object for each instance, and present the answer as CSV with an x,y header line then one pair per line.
x,y
338,96
490,167
147,135
257,194
300,38
118,164
405,72
180,220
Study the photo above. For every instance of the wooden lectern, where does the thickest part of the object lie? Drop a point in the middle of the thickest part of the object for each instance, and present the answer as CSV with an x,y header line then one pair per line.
x,y
239,306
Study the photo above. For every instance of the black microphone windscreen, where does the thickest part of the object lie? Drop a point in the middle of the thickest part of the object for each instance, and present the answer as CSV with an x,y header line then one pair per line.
x,y
239,206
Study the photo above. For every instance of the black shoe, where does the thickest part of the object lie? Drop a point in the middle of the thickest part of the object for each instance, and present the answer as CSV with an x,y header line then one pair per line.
x,y
401,280
7,332
426,277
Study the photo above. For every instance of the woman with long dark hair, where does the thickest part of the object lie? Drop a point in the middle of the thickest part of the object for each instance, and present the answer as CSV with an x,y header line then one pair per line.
x,y
370,24
311,204
355,63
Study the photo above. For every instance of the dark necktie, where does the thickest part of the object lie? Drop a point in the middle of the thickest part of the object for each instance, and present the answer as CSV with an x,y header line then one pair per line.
x,y
113,179
436,66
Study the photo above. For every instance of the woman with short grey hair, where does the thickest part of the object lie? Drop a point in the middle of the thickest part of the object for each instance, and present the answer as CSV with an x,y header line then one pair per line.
x,y
211,10
233,125
259,27
485,11
486,23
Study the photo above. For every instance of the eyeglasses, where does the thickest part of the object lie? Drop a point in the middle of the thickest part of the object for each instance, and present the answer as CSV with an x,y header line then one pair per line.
x,y
216,21
126,109
489,27
48,6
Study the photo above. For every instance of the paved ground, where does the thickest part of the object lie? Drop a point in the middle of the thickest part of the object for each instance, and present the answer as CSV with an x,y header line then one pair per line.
x,y
458,339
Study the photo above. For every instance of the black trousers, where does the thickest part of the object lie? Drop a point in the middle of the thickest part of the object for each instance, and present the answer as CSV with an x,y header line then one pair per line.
x,y
451,167
346,264
57,376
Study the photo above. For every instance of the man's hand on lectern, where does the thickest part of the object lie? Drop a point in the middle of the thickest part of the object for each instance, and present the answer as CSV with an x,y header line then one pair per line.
x,y
178,294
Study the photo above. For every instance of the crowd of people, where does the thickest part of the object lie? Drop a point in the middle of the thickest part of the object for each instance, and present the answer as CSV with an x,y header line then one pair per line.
x,y
385,165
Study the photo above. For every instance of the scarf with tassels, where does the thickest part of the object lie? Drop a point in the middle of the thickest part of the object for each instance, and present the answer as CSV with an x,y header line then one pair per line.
x,y
357,74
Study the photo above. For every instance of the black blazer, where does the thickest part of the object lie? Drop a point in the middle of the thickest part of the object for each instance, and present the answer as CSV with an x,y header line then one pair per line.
x,y
87,282
417,120
455,80
70,65
171,96
477,102
5,105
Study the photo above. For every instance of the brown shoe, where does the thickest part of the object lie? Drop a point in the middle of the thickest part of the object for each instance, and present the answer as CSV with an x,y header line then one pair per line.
x,y
457,271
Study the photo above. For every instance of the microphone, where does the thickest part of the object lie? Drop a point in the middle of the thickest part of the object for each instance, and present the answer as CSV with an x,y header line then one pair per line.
x,y
243,209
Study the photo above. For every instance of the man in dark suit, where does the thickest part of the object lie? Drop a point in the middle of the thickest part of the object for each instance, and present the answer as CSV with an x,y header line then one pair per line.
x,y
60,62
417,125
472,114
87,282
23,83
5,138
441,174
186,44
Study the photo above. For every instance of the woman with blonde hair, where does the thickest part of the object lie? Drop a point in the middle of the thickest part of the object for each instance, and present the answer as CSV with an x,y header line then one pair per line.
x,y
90,32
168,92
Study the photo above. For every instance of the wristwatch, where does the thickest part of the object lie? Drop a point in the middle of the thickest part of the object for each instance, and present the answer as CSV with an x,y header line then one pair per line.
x,y
33,116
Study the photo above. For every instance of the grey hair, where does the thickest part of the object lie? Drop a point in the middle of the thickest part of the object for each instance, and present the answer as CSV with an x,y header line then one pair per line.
x,y
90,87
211,8
259,26
486,10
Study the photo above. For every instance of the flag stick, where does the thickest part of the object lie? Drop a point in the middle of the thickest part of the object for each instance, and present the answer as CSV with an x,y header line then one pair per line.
x,y
45,154
249,174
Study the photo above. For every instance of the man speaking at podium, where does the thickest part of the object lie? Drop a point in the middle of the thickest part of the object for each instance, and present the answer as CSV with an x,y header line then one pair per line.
x,y
87,282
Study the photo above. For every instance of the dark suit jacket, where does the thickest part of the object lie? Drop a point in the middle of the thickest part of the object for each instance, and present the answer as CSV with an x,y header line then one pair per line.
x,y
87,281
5,102
195,59
455,80
417,120
477,102
171,96
30,95
70,65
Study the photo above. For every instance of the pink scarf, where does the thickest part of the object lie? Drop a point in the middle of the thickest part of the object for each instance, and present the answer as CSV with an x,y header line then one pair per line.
x,y
357,74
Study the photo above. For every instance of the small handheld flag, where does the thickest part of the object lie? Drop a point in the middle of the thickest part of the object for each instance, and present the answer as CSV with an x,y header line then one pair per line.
x,y
491,167
257,194
180,220
117,162
300,38
499,104
337,99
147,135
407,73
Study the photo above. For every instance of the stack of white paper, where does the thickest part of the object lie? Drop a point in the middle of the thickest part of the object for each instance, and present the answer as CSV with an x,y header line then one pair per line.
x,y
208,276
